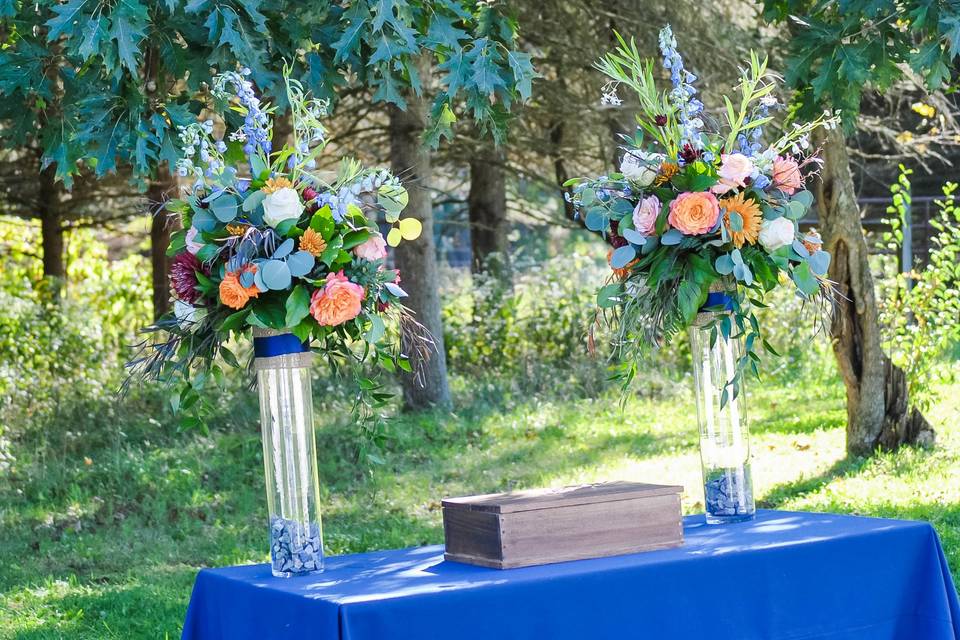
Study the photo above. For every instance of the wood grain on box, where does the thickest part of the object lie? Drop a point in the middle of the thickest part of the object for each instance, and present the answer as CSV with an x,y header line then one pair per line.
x,y
523,528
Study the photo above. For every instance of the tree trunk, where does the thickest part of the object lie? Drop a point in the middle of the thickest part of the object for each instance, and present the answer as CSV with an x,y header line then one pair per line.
x,y
51,231
160,190
417,261
560,168
487,203
878,412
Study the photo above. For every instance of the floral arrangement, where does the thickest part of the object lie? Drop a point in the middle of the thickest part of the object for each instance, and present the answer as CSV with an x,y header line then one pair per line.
x,y
697,207
269,241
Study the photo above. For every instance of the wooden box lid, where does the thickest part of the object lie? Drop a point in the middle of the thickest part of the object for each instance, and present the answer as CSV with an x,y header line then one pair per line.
x,y
516,501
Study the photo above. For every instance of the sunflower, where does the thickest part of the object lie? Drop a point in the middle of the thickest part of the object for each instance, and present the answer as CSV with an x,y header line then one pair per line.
x,y
749,212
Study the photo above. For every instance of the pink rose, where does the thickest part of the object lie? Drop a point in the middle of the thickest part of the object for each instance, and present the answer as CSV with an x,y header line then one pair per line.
x,y
786,175
338,301
645,215
373,249
734,170
694,212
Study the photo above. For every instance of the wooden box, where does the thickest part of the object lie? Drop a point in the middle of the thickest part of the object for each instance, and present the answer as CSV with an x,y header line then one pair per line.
x,y
523,528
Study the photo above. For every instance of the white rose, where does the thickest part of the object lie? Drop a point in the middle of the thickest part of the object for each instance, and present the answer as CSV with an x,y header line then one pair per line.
x,y
640,167
282,204
777,233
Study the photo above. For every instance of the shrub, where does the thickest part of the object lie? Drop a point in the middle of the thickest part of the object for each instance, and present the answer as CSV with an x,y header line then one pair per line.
x,y
920,310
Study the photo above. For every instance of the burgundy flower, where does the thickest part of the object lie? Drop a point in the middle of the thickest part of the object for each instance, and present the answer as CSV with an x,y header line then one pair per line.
x,y
616,241
309,193
183,276
660,121
690,154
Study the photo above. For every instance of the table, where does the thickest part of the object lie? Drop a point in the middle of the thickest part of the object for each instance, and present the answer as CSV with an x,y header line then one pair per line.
x,y
783,576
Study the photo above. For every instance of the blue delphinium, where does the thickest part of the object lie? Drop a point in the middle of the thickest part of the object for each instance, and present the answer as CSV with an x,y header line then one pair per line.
x,y
255,132
750,144
682,95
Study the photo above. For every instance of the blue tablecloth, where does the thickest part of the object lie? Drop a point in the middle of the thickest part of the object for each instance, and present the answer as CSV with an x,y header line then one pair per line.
x,y
783,576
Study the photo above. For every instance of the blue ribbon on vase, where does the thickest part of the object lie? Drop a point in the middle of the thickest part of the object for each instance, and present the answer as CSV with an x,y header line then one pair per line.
x,y
279,345
716,300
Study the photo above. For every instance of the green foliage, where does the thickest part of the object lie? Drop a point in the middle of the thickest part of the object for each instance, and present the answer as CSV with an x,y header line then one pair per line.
x,y
472,43
105,85
836,49
56,357
533,336
920,310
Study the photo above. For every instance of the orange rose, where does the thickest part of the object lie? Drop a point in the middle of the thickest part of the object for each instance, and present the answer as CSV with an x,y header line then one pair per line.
x,y
786,175
338,302
694,213
232,293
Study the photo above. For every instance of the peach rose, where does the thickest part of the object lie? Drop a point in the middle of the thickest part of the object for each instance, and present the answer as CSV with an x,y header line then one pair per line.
x,y
694,213
337,302
734,170
373,249
232,293
786,175
645,215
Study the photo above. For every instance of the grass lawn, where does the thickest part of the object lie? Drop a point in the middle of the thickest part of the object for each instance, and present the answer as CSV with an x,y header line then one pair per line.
x,y
105,541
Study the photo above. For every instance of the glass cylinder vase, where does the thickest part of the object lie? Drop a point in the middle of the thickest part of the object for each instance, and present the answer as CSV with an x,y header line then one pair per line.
x,y
724,430
282,364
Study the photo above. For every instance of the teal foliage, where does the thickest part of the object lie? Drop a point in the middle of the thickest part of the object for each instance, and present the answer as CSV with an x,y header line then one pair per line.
x,y
835,49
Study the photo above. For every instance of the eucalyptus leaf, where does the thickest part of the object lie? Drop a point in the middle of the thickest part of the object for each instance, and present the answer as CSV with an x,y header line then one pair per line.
x,y
622,256
804,279
253,200
258,167
596,219
225,208
795,210
284,249
819,262
803,197
736,221
671,237
300,263
204,221
800,249
724,265
622,206
634,237
275,274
